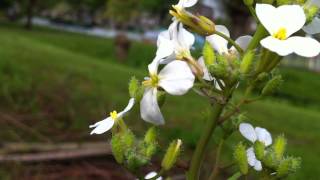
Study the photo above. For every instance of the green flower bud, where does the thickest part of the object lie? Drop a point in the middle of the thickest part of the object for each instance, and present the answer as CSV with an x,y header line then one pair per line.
x,y
135,160
248,2
247,62
135,89
117,148
208,54
171,156
220,69
240,156
269,160
279,147
150,136
272,85
120,143
199,24
311,12
288,166
259,150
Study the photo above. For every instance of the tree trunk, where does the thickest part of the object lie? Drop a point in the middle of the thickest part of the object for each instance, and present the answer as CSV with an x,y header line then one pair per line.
x,y
30,10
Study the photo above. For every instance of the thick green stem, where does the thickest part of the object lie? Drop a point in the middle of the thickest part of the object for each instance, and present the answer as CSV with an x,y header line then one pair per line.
x,y
203,142
215,171
261,33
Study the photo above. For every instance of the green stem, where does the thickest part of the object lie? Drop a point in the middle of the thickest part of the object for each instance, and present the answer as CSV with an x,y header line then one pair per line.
x,y
253,13
215,171
260,33
239,49
203,142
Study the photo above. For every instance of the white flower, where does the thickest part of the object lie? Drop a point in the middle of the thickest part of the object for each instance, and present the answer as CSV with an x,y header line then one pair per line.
x,y
152,175
106,124
253,135
175,78
174,43
186,3
314,26
281,23
221,45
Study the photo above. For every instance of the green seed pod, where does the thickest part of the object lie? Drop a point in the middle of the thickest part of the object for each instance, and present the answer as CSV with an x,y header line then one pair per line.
x,y
272,85
259,150
150,136
248,2
133,87
208,54
247,62
279,147
240,156
171,156
150,150
135,160
128,139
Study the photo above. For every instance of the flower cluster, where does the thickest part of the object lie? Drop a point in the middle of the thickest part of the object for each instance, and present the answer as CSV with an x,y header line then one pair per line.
x,y
225,64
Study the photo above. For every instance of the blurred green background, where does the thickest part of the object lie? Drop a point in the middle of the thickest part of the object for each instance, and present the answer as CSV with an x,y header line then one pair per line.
x,y
55,83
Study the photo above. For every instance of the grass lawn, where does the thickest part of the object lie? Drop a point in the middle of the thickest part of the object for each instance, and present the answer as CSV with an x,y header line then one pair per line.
x,y
59,83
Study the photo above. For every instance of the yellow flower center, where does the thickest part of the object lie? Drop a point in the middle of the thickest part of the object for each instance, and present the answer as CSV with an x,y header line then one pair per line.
x,y
281,34
114,115
152,82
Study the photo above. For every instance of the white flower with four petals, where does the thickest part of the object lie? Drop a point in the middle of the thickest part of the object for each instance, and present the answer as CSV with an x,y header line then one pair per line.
x,y
281,23
253,135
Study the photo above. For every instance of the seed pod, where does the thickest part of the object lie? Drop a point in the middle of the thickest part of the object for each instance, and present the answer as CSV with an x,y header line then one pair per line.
x,y
272,85
259,150
279,147
247,62
208,54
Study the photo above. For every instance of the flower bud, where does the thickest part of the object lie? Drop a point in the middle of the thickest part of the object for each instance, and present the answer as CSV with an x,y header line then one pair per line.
x,y
247,62
120,143
259,150
287,166
150,136
135,160
198,24
208,54
279,147
220,69
269,160
311,12
135,90
240,155
248,2
272,85
171,156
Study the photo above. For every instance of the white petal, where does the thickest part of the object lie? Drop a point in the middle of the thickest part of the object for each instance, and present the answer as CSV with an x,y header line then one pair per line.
x,y
165,48
291,17
206,75
251,156
102,126
164,35
258,165
263,136
127,109
248,132
243,42
217,42
187,3
313,27
267,15
149,107
153,66
152,175
304,46
281,47
185,38
176,78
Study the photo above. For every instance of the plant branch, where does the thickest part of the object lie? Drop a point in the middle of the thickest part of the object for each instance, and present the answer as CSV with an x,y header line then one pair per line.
x,y
216,168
